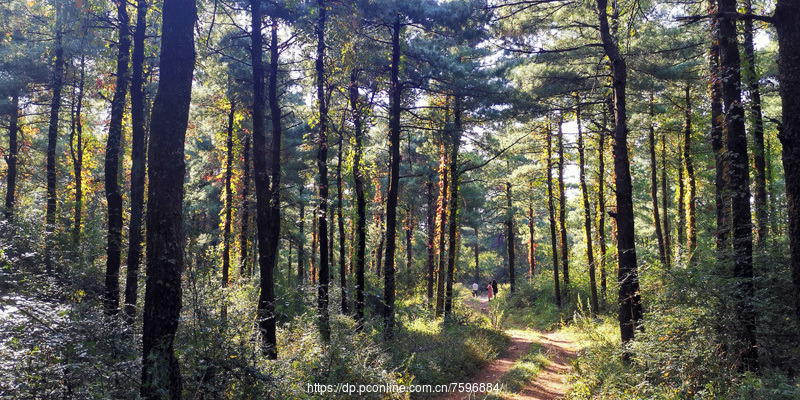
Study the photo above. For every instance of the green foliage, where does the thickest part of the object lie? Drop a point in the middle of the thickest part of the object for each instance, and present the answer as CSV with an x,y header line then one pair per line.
x,y
525,369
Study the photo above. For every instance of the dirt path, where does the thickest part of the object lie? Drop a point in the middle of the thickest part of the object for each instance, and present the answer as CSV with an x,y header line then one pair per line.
x,y
549,384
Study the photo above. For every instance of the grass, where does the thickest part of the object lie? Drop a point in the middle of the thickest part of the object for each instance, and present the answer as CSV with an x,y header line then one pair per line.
x,y
525,369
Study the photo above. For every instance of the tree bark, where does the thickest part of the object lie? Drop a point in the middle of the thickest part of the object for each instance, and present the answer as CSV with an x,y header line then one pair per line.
x,y
244,259
552,209
601,202
266,306
738,184
510,237
170,118
757,127
112,170
681,226
531,242
630,306
717,143
226,234
431,243
441,226
11,158
787,24
395,92
691,243
562,209
340,220
52,143
76,152
586,212
452,223
138,156
654,184
665,201
322,167
361,203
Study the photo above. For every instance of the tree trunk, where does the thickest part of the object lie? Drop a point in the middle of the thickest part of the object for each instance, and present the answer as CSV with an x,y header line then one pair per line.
x,y
138,155
717,143
170,118
691,244
552,209
11,158
665,201
322,167
52,142
587,213
630,306
510,237
562,209
112,173
226,234
680,245
787,16
738,183
266,306
361,203
244,260
441,226
531,242
395,92
601,202
76,152
477,254
452,223
654,185
757,127
431,229
314,247
340,219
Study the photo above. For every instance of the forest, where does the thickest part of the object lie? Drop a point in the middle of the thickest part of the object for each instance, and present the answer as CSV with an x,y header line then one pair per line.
x,y
405,199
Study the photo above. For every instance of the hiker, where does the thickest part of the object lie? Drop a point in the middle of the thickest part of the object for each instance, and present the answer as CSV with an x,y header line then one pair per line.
x,y
475,289
491,292
494,287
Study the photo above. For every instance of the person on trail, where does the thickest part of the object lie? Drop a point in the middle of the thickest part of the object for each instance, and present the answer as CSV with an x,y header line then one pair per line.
x,y
491,292
475,289
494,287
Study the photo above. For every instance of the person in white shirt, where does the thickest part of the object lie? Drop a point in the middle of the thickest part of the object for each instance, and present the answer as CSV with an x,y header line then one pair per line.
x,y
475,289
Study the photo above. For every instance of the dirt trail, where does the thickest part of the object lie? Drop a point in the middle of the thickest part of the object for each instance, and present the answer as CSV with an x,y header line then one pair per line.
x,y
549,384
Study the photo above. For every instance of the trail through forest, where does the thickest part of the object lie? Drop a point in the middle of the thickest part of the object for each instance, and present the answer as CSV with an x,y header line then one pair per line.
x,y
551,381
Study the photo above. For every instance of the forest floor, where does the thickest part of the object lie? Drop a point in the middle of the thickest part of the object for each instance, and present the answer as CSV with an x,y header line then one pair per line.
x,y
550,383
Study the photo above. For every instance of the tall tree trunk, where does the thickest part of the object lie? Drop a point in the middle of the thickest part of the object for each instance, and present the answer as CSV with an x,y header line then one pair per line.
x,y
322,167
510,237
244,259
654,184
226,234
757,127
266,306
441,225
112,173
52,142
738,183
361,203
76,152
170,118
138,155
340,219
691,244
302,236
586,212
431,243
665,201
718,144
630,306
395,92
314,246
787,24
680,246
11,158
562,209
477,254
452,223
531,242
601,202
552,210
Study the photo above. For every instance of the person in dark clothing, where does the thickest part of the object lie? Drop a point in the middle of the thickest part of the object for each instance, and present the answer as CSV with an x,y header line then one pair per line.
x,y
494,287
